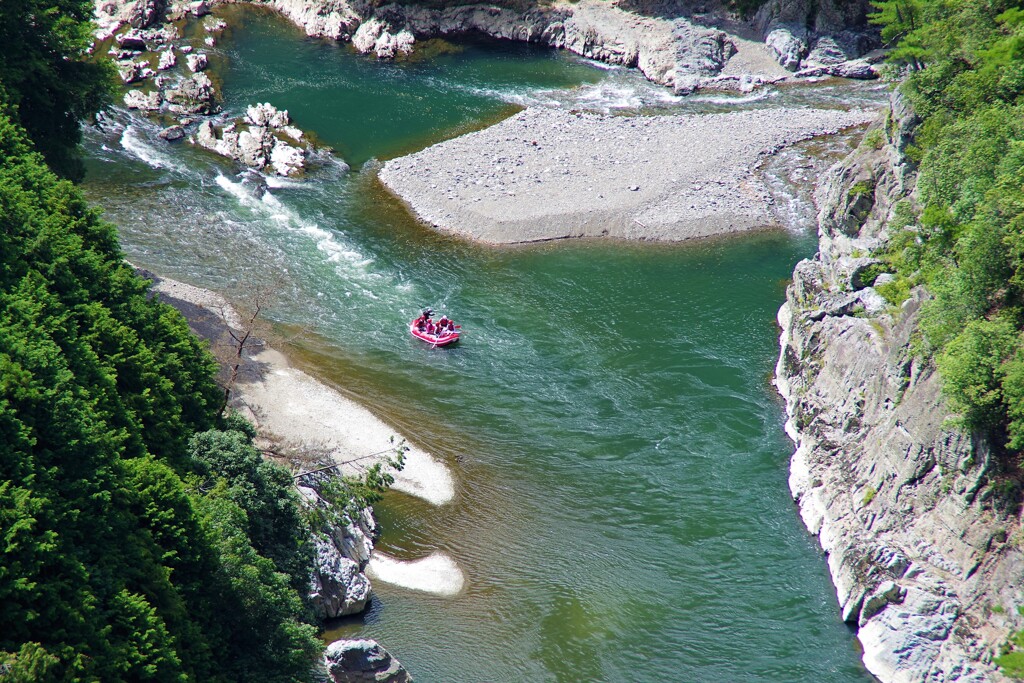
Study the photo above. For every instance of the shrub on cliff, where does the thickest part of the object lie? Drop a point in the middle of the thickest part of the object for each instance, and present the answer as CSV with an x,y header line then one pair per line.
x,y
966,80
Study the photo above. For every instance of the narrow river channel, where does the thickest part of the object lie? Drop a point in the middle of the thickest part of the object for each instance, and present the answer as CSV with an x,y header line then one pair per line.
x,y
622,510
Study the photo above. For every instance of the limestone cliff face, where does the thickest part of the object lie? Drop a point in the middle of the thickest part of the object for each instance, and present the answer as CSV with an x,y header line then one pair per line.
x,y
918,549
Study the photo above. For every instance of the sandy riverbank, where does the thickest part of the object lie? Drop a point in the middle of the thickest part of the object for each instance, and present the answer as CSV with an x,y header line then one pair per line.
x,y
548,174
299,409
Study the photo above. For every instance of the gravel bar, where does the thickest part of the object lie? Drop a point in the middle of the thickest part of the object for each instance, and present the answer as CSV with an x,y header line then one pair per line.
x,y
547,174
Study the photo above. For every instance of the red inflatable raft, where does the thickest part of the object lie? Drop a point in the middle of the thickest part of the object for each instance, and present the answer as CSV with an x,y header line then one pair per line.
x,y
443,339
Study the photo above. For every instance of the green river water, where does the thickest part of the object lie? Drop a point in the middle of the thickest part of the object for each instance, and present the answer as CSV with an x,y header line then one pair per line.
x,y
622,511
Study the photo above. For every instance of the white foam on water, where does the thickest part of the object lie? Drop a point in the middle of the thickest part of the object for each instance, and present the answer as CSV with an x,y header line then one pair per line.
x,y
756,96
351,265
278,183
436,574
133,142
603,66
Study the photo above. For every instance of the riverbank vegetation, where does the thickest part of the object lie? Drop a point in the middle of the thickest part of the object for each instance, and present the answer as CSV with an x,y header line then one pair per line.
x,y
965,64
143,537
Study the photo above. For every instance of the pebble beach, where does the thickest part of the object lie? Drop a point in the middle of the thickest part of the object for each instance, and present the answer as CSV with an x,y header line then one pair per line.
x,y
548,174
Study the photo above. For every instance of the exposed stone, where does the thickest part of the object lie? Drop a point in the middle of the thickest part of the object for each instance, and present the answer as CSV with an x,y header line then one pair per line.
x,y
789,45
286,160
167,60
815,36
255,140
878,474
131,41
197,61
670,49
147,101
267,115
193,95
172,133
199,9
337,586
359,661
134,72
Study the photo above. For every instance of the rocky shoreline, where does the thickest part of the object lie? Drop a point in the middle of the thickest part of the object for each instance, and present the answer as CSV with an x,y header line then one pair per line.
x,y
546,174
683,45
293,410
922,555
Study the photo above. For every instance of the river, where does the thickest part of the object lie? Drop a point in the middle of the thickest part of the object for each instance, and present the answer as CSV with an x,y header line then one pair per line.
x,y
622,511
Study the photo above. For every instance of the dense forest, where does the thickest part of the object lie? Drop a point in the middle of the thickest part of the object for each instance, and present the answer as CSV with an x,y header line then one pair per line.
x,y
964,240
143,536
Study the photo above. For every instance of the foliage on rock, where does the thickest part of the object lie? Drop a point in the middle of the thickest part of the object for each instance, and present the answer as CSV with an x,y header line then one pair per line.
x,y
965,64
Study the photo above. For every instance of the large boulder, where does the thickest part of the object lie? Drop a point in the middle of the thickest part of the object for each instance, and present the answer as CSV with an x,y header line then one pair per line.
x,y
134,72
172,133
146,101
167,60
197,61
817,34
338,586
112,14
257,140
359,661
194,95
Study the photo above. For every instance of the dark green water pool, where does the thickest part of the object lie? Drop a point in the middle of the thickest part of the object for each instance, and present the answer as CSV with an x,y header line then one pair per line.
x,y
622,511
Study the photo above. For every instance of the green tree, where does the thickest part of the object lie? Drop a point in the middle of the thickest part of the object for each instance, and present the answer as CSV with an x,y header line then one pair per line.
x,y
110,567
45,77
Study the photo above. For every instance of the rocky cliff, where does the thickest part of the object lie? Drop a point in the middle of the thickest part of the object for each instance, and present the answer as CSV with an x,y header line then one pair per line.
x,y
925,560
684,45
680,46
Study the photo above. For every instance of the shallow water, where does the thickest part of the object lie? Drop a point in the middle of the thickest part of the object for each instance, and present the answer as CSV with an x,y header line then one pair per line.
x,y
622,511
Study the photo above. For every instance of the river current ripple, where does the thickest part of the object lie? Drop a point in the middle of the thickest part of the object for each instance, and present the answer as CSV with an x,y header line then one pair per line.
x,y
622,511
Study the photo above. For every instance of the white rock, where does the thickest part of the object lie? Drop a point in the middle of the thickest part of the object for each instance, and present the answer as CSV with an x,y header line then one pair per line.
x,y
365,38
197,61
167,60
286,160
146,101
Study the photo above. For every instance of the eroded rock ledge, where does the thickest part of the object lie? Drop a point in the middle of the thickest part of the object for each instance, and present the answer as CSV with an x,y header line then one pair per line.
x,y
922,557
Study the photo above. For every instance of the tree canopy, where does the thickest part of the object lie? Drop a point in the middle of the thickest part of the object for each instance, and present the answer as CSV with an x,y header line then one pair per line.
x,y
143,538
966,80
46,79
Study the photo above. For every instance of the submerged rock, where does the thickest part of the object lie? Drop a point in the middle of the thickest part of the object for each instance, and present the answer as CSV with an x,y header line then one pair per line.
x,y
359,661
